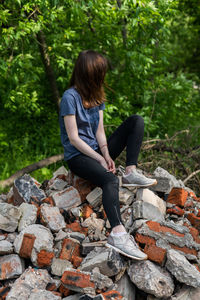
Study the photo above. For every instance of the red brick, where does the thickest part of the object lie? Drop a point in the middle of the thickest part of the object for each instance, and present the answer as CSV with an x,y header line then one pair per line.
x,y
27,245
76,260
69,248
185,249
143,239
49,201
87,211
177,196
83,186
76,227
77,278
176,211
112,295
194,220
155,253
195,234
64,291
163,229
4,292
44,258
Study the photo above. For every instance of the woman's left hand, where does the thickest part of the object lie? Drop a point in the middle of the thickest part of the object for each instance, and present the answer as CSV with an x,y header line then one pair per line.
x,y
110,163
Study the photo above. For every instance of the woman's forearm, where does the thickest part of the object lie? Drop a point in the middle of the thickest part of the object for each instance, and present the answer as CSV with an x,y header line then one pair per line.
x,y
84,148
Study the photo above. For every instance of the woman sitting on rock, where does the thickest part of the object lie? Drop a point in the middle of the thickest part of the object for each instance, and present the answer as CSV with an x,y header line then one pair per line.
x,y
88,153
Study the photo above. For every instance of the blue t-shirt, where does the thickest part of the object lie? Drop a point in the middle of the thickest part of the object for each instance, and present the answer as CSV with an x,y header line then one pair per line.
x,y
87,121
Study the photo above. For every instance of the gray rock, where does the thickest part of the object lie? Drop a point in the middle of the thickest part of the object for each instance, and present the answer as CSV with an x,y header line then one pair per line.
x,y
180,267
59,266
43,295
57,184
187,293
107,260
61,235
93,222
151,278
126,288
165,181
52,217
29,280
87,297
67,199
87,247
28,215
101,281
73,297
95,197
127,216
43,241
148,196
5,247
145,210
25,189
11,237
77,235
11,266
9,216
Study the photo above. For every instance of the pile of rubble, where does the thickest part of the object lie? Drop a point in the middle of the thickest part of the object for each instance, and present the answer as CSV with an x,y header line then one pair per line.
x,y
52,241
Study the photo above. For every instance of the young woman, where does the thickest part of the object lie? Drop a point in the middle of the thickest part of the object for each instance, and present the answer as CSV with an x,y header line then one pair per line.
x,y
88,153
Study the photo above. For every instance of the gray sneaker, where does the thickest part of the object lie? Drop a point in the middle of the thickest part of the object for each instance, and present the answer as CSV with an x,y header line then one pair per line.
x,y
126,245
136,179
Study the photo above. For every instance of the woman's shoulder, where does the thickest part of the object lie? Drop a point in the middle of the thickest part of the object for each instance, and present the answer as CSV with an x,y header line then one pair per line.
x,y
71,91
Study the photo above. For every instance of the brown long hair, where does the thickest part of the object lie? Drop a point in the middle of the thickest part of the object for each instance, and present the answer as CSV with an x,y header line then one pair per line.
x,y
88,77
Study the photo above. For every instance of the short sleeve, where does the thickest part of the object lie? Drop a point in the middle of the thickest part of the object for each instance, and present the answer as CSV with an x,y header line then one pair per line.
x,y
102,106
67,105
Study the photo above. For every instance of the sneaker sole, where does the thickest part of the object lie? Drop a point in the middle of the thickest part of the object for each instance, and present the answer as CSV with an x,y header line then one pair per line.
x,y
139,185
124,253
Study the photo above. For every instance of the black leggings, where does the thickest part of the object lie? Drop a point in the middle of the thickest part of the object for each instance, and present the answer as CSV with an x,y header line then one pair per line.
x,y
129,134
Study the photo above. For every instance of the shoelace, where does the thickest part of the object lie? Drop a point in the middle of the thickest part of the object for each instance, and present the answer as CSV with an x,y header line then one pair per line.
x,y
121,170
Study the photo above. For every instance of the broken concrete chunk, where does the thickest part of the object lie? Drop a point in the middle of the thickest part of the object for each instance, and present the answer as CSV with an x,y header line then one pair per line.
x,y
93,222
52,217
180,267
59,266
5,247
25,189
67,199
43,295
61,171
29,280
9,216
88,247
126,288
107,260
42,240
145,210
95,197
187,293
125,196
28,215
147,195
151,278
11,266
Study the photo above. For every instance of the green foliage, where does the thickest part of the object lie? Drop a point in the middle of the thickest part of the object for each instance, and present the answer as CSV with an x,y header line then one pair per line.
x,y
152,49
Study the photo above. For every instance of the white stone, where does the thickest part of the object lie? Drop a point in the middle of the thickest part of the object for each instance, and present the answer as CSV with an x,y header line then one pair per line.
x,y
43,295
9,216
11,266
125,196
5,247
43,241
145,210
52,217
61,171
28,215
126,288
187,293
93,222
147,195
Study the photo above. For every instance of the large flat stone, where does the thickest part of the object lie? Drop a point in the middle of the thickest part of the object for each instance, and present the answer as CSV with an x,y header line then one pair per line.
x,y
151,278
9,217
126,287
145,210
95,197
180,267
147,195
